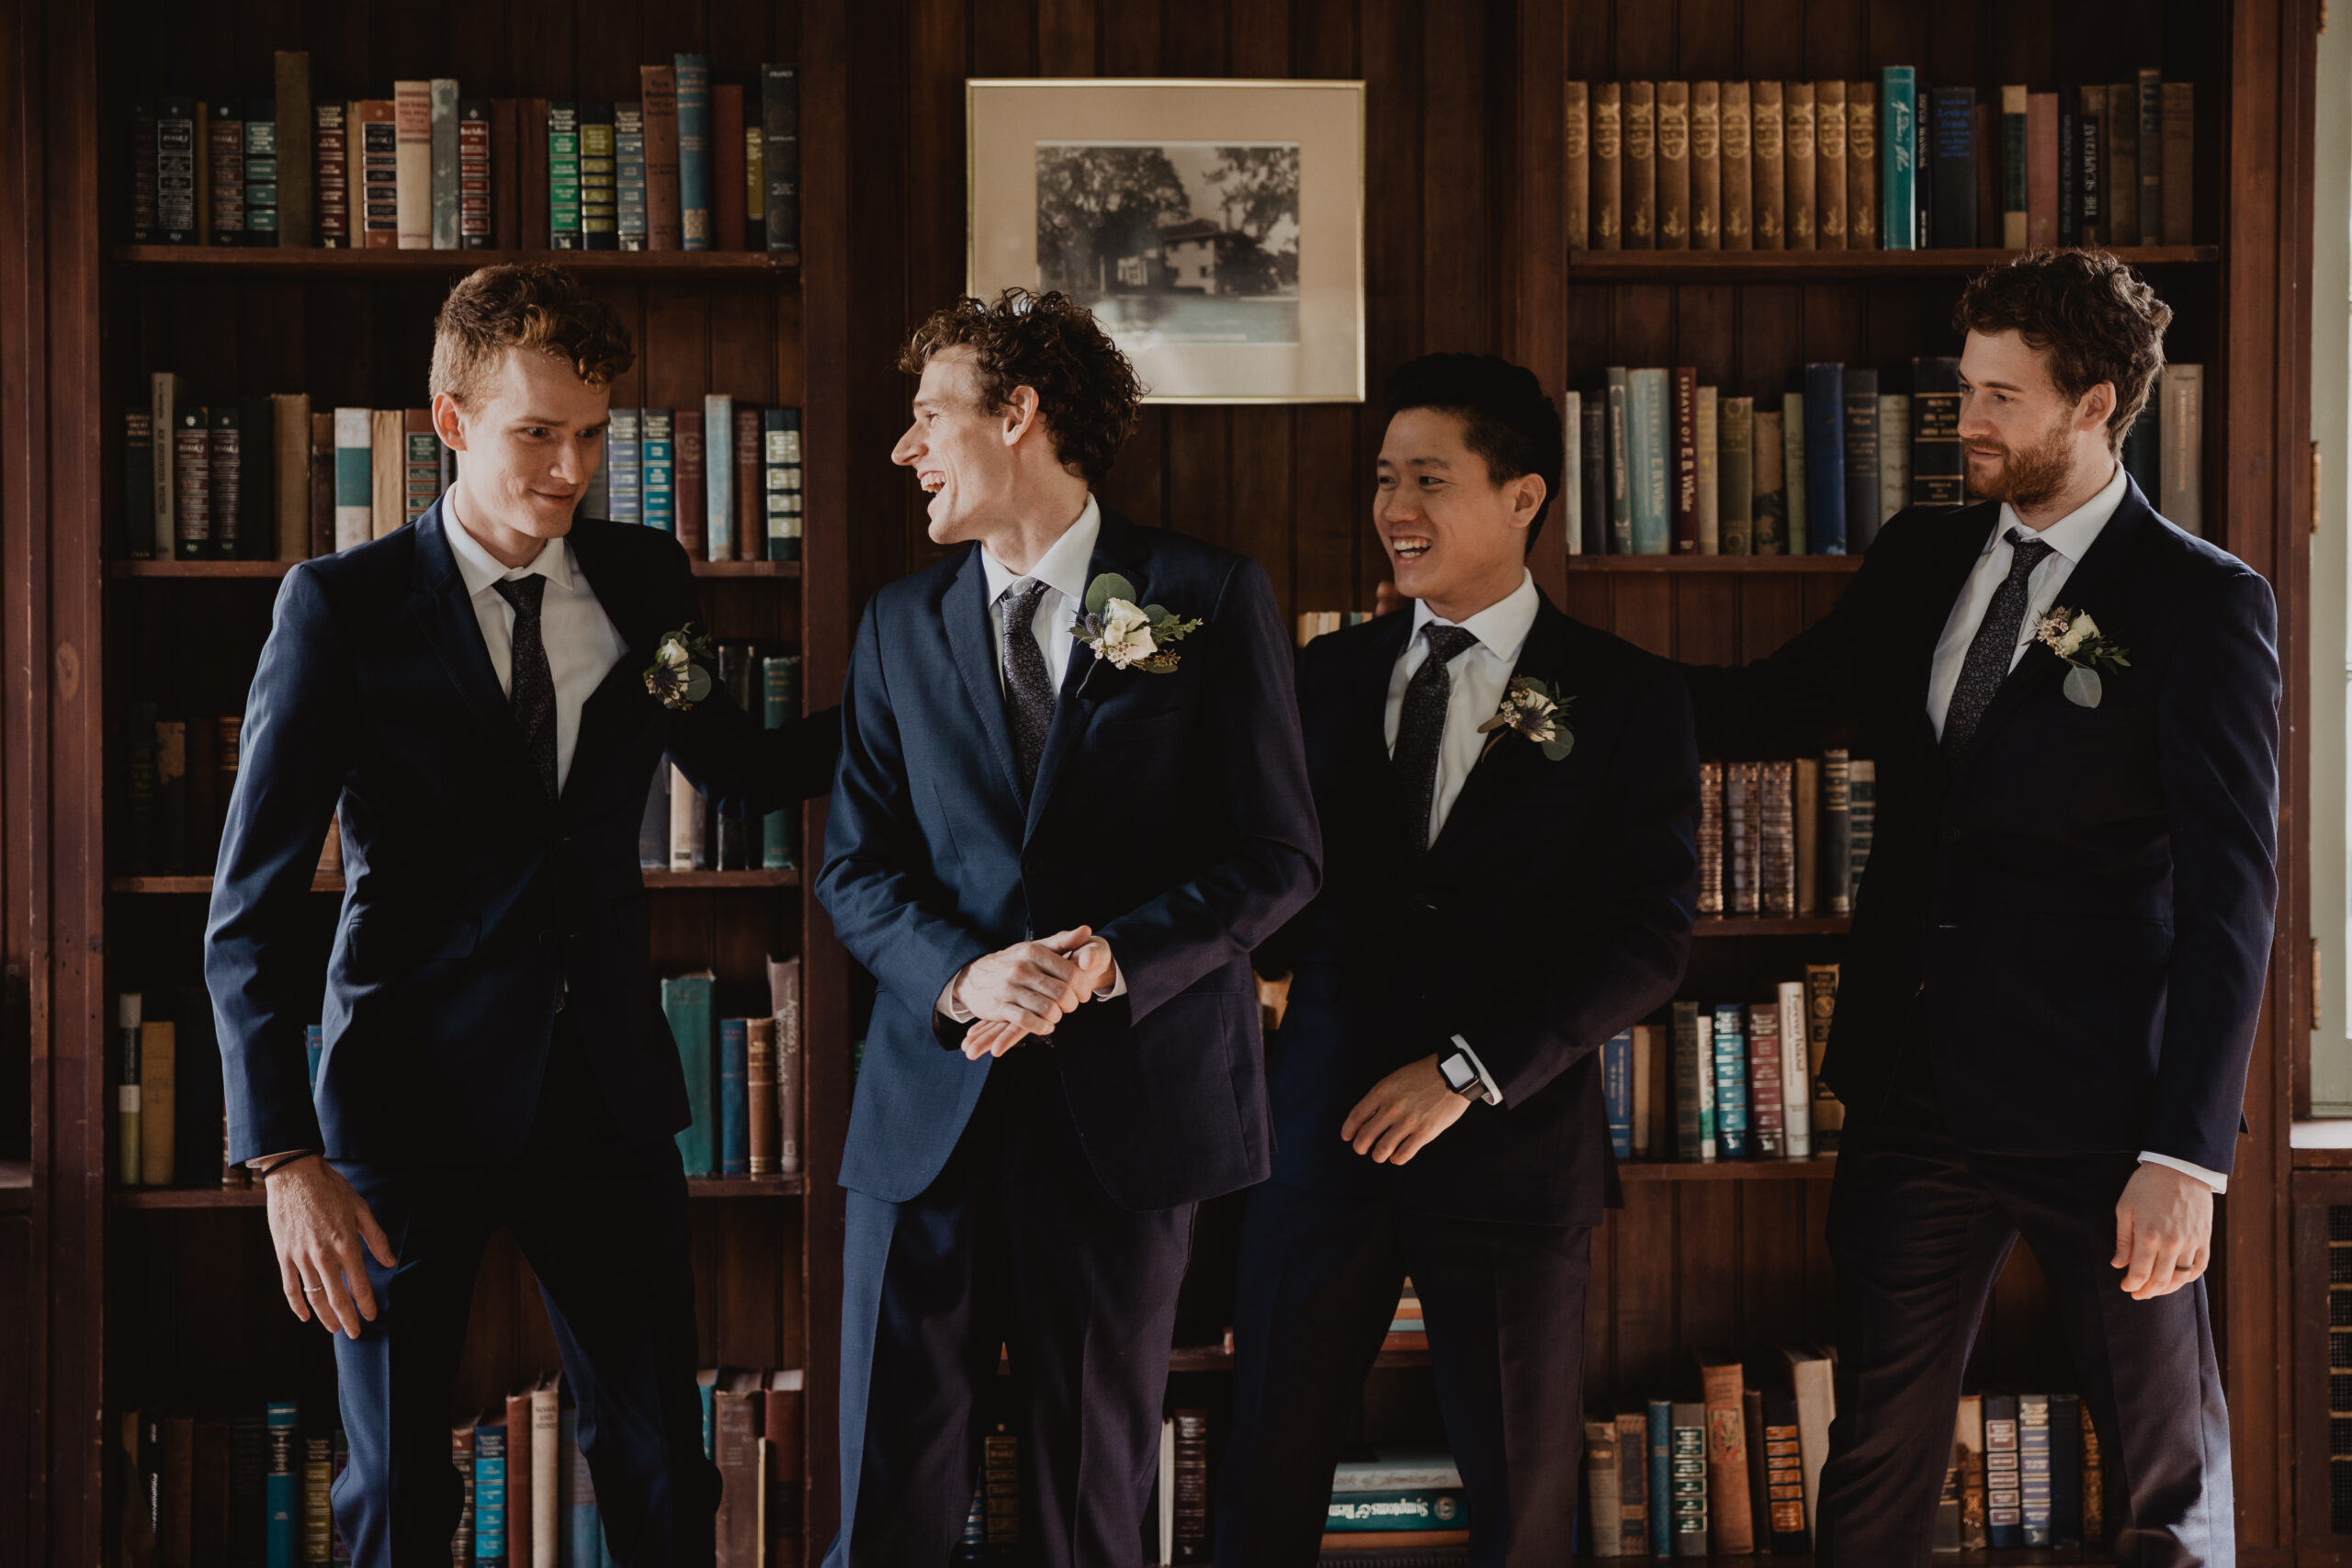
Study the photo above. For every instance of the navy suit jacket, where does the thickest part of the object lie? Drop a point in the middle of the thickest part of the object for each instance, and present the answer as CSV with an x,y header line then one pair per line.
x,y
1171,813
1553,911
2084,893
472,898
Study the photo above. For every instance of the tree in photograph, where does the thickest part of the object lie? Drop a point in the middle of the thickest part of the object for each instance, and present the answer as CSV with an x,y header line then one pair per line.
x,y
1098,207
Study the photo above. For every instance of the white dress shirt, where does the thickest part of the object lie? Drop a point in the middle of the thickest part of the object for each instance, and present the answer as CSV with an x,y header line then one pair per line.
x,y
1062,568
1480,674
582,644
2069,539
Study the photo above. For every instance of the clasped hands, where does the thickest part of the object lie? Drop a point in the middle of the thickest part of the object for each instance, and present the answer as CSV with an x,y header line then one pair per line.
x,y
1029,987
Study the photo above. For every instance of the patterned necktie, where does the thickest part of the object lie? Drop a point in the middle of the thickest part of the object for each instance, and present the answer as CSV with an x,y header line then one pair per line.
x,y
1995,647
531,684
1028,684
1420,728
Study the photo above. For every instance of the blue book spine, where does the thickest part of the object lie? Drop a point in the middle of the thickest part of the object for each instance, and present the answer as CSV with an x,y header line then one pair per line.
x,y
581,1538
1661,1441
658,469
719,475
1617,1091
693,150
1650,474
1825,460
315,1048
282,1491
1898,142
490,1496
779,701
734,1099
686,1002
2033,1466
1731,1081
624,485
780,480
2003,1516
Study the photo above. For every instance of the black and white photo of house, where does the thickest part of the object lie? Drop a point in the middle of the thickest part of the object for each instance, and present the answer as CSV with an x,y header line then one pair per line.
x,y
1173,242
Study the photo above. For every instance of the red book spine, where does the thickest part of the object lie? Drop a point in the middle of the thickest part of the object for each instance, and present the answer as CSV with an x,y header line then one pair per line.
x,y
474,142
750,514
332,168
692,511
1686,461
664,228
1767,1119
726,165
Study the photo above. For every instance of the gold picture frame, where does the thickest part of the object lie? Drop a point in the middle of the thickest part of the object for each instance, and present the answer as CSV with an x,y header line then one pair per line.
x,y
1216,227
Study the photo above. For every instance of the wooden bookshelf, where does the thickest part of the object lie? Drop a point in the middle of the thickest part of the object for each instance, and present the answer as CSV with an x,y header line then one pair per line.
x,y
704,881
277,569
642,266
1758,566
169,1197
1832,266
1820,1169
1772,925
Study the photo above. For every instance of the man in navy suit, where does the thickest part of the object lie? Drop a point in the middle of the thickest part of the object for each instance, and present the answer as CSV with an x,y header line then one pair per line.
x,y
473,692
2059,946
1499,900
1055,857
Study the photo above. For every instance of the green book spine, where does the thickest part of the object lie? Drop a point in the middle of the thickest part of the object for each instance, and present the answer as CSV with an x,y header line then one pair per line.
x,y
563,176
1792,467
780,700
686,1002
1652,466
1620,498
1898,148
1736,475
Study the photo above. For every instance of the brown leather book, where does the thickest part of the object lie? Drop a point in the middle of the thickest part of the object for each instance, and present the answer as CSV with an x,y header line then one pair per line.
x,y
693,513
664,226
1729,1519
1862,165
2179,157
520,1504
726,192
785,1448
1674,166
2041,170
751,520
1608,167
1576,150
1771,209
1641,166
1829,157
1706,166
2122,181
759,1089
1738,168
1800,171
739,1402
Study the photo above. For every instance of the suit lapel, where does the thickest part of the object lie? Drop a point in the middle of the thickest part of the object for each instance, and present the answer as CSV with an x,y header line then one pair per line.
x,y
964,609
1503,760
1367,720
1119,546
455,632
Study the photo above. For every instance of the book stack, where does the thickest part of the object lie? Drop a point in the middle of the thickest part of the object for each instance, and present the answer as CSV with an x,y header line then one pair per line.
x,y
171,1110
692,165
2026,1470
1787,838
273,479
1660,464
1893,164
1742,1080
752,1432
681,830
204,1481
1396,1500
744,1076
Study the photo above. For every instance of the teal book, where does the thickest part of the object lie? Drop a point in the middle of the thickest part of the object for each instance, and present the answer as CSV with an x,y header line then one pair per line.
x,y
1620,500
734,1099
282,1487
780,480
1661,1446
779,701
1649,478
658,467
1617,1091
489,1496
693,150
579,1532
686,1002
1898,143
563,176
1731,1080
314,1049
718,481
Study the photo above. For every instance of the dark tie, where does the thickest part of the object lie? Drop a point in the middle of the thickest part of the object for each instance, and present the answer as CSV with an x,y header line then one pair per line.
x,y
1028,684
1995,647
1420,728
531,684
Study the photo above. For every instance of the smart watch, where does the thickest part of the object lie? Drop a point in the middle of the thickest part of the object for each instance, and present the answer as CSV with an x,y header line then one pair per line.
x,y
1461,1076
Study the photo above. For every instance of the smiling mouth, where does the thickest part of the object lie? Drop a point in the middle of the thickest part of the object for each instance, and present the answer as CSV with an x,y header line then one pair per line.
x,y
931,483
1409,549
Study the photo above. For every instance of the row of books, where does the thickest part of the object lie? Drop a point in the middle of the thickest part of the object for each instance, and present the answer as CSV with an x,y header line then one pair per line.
x,y
681,830
1787,838
1660,464
690,164
744,1075
1892,164
1739,1079
251,1487
272,479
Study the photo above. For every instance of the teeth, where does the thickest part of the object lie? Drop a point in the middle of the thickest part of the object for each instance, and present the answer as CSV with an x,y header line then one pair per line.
x,y
934,485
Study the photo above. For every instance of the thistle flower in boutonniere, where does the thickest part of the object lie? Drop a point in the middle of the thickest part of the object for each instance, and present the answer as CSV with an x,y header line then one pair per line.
x,y
1132,637
2079,642
680,673
1536,710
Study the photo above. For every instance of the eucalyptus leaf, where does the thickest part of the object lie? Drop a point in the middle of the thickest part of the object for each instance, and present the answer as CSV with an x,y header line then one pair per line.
x,y
1105,588
1155,613
698,684
2083,686
1557,749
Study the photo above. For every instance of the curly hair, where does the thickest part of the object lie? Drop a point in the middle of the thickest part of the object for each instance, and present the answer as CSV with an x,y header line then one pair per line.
x,y
1507,417
2092,316
493,308
1086,389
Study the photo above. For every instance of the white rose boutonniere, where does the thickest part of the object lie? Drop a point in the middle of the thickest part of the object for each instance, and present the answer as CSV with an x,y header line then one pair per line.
x,y
2077,639
680,673
1535,709
1131,635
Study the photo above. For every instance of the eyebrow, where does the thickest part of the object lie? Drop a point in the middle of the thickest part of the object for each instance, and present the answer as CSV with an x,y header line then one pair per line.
x,y
2004,386
1416,463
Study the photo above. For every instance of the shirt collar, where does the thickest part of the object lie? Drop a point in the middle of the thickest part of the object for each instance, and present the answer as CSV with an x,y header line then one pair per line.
x,y
479,568
1502,628
1063,566
2073,534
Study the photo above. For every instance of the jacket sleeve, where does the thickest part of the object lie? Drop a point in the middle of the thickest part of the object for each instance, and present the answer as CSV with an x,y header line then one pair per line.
x,y
1278,954
889,909
1627,940
1276,856
261,958
733,758
2217,760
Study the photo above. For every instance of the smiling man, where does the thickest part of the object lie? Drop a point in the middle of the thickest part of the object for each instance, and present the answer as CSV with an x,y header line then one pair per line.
x,y
2049,997
1499,899
1054,855
470,691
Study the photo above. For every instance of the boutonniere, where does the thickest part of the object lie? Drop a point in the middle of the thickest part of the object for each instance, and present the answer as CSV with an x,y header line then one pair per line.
x,y
680,673
1131,636
1535,710
2077,640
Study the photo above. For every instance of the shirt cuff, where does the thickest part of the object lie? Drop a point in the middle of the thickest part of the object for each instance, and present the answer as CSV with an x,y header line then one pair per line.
x,y
1490,1092
950,1009
2212,1178
1118,985
262,1162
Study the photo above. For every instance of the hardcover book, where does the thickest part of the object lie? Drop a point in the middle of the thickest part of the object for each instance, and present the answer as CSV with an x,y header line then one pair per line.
x,y
1721,1379
1768,505
1800,162
1829,179
413,164
1608,173
442,106
1769,200
1799,541
1861,166
1824,456
1706,185
1641,166
1738,167
692,74
1734,460
1860,435
1575,148
1674,166
1898,139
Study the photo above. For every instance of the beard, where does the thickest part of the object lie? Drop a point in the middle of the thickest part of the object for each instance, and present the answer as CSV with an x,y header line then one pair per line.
x,y
2027,476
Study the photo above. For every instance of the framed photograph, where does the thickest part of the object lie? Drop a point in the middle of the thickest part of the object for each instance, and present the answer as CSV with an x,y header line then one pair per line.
x,y
1214,227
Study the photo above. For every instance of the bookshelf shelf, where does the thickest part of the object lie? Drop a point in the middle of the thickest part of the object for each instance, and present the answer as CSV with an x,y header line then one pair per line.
x,y
1771,925
1758,565
1826,266
1820,1169
641,265
15,1186
1217,1359
256,1198
275,568
689,880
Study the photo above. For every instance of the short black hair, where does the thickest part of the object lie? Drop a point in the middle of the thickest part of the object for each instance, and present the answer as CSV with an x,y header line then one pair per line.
x,y
1507,417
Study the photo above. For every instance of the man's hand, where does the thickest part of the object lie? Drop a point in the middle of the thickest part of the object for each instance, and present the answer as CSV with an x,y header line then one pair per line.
x,y
317,1223
2164,1231
1090,967
1404,1113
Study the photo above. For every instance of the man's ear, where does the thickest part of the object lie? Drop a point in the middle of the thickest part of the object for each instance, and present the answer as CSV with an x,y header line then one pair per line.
x,y
449,422
2097,406
1019,415
1527,496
